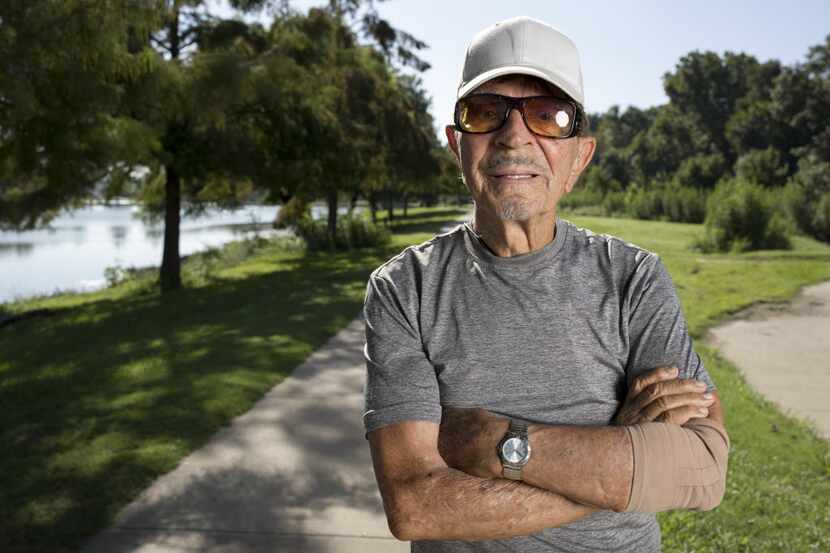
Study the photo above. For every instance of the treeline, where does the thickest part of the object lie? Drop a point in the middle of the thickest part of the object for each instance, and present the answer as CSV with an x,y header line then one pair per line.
x,y
756,132
167,103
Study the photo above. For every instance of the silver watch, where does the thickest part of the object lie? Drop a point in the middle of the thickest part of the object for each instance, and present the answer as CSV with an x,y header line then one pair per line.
x,y
514,450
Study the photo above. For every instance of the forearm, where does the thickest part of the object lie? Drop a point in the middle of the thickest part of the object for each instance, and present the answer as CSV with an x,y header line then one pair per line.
x,y
438,506
590,465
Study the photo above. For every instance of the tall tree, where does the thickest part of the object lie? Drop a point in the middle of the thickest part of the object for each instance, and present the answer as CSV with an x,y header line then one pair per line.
x,y
91,91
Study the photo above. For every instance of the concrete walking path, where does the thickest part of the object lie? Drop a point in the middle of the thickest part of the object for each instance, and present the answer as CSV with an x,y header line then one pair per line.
x,y
292,474
784,352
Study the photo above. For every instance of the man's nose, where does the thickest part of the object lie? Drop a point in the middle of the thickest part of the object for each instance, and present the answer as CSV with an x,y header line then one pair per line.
x,y
514,133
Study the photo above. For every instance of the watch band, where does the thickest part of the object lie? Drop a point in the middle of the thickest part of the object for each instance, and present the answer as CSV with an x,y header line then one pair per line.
x,y
511,473
514,472
518,427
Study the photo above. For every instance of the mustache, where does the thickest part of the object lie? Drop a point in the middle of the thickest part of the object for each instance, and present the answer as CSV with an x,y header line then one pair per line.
x,y
506,161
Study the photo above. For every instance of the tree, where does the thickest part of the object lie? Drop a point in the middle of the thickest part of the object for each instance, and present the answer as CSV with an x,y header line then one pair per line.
x,y
203,104
63,67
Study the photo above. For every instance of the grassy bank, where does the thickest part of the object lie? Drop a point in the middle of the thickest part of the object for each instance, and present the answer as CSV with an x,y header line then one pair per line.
x,y
115,387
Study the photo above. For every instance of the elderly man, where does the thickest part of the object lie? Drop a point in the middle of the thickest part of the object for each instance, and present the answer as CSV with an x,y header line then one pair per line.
x,y
531,386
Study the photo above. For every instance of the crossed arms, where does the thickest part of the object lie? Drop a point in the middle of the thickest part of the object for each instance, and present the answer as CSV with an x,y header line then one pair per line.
x,y
429,475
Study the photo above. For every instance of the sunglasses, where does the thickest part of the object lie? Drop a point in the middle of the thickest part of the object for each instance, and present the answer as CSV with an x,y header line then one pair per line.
x,y
546,116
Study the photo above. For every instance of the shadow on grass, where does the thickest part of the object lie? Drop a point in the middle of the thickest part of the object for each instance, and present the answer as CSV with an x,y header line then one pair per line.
x,y
116,392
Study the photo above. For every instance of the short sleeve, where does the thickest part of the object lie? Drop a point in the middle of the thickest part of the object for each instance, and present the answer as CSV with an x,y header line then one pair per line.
x,y
657,332
401,383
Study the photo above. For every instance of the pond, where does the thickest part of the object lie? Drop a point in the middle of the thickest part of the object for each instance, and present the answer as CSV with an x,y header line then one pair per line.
x,y
76,248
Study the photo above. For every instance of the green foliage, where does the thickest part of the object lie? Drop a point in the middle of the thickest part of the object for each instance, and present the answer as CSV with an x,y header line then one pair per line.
x,y
741,217
644,203
670,202
353,231
683,204
805,197
613,204
580,199
763,167
700,171
821,218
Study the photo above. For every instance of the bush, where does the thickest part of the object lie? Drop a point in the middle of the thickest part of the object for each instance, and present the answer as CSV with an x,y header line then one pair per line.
x,y
765,168
683,204
805,198
643,204
581,199
741,217
613,205
700,171
353,231
821,218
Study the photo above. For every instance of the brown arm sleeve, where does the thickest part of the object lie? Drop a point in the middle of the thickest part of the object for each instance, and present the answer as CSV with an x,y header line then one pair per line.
x,y
678,467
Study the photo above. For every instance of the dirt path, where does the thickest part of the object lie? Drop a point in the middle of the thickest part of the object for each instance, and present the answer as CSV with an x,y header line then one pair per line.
x,y
784,351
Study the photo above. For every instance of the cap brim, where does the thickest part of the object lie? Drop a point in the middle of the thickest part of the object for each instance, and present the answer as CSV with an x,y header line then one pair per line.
x,y
566,87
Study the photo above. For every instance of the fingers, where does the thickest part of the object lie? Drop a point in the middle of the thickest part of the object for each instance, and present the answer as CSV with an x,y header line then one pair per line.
x,y
682,415
652,377
670,408
660,390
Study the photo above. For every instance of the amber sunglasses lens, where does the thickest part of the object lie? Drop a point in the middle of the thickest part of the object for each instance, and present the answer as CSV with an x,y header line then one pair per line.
x,y
480,113
550,116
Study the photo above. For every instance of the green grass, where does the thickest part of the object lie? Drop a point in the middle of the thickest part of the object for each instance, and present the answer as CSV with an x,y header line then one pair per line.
x,y
116,387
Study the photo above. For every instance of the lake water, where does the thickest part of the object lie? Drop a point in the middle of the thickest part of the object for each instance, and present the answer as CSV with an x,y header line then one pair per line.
x,y
76,248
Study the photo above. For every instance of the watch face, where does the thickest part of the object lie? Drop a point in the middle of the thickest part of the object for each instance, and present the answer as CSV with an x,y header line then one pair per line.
x,y
515,450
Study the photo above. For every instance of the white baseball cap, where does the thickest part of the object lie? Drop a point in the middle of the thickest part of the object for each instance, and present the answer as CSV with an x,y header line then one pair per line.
x,y
526,46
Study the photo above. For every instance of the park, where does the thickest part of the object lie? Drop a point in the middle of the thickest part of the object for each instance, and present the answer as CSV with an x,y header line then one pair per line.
x,y
212,398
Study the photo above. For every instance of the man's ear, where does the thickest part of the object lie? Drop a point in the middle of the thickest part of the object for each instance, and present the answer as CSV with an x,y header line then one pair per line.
x,y
452,141
586,146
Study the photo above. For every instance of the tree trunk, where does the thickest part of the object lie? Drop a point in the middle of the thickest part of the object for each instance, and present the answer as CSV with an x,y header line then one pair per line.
x,y
170,276
354,202
390,206
373,207
332,205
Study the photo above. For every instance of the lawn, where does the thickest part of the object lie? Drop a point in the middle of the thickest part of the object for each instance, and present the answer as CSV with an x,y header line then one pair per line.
x,y
115,387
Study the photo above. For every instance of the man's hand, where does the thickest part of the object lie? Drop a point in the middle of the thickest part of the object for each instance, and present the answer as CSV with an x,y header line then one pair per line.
x,y
468,440
660,396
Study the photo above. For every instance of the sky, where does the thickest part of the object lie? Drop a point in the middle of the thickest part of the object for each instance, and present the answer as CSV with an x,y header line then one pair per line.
x,y
625,46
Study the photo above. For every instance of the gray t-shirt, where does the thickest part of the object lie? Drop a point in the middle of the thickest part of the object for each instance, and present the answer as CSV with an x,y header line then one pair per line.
x,y
553,336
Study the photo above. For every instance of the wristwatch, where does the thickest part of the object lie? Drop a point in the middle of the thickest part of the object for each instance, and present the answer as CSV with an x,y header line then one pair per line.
x,y
514,450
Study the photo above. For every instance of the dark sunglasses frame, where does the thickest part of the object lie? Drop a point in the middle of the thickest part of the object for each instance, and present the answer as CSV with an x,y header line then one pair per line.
x,y
519,104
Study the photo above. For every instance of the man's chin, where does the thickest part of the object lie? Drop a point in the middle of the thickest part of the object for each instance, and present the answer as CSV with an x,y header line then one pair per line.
x,y
513,211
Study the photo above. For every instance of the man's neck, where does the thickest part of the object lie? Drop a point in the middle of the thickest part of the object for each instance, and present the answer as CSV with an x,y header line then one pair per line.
x,y
509,238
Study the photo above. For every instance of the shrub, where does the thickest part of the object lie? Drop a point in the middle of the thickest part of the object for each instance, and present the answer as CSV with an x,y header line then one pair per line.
x,y
821,218
581,199
683,204
741,217
353,231
643,204
804,198
613,205
762,167
700,171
